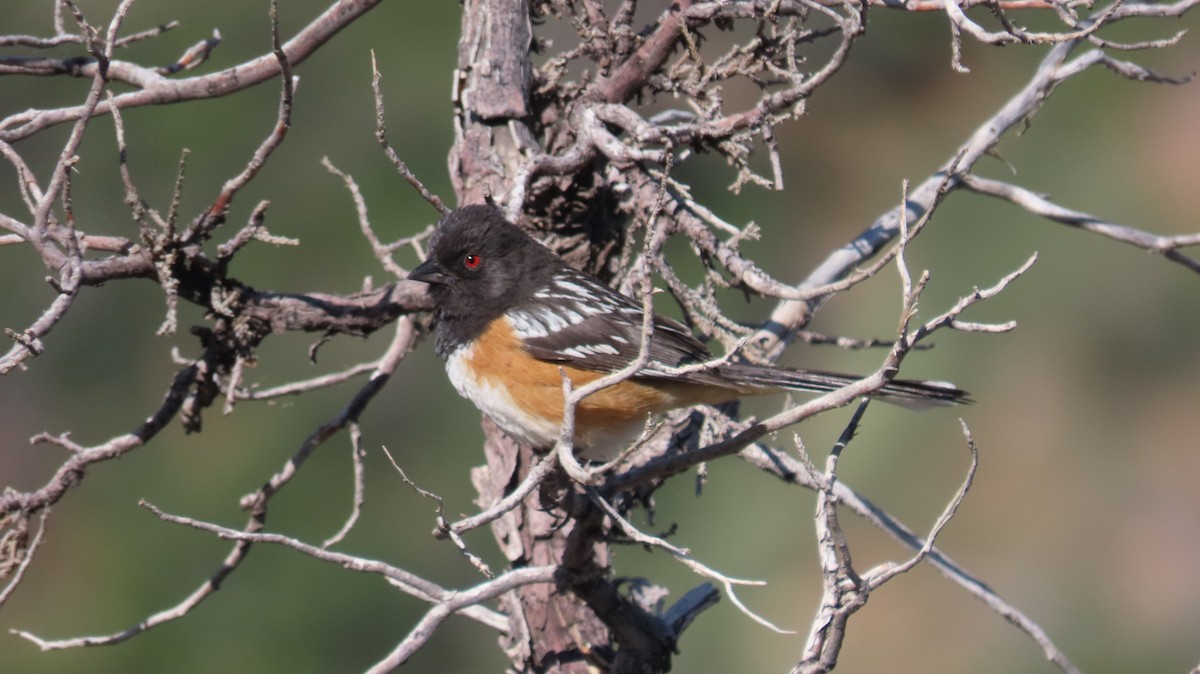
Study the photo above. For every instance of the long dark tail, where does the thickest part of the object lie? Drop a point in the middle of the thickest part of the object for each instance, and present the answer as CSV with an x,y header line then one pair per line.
x,y
907,393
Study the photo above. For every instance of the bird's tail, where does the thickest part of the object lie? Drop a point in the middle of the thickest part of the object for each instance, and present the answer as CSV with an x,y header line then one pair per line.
x,y
906,393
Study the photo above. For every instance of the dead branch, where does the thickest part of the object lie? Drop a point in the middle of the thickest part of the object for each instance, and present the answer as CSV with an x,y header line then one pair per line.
x,y
155,89
790,316
1167,246
845,591
256,503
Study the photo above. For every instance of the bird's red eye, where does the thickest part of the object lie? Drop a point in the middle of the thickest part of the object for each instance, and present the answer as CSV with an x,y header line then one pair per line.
x,y
472,261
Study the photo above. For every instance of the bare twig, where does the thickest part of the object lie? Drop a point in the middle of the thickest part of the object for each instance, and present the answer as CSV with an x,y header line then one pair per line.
x,y
305,385
532,481
782,465
382,252
256,502
17,551
158,90
686,558
885,572
1053,69
381,136
1167,246
845,591
358,455
460,601
68,38
28,342
406,581
443,530
202,228
68,474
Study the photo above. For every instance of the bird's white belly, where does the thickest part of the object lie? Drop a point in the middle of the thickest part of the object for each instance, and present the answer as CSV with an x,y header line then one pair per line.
x,y
496,402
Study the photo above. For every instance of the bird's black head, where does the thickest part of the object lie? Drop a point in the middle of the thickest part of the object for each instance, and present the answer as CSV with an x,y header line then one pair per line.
x,y
479,266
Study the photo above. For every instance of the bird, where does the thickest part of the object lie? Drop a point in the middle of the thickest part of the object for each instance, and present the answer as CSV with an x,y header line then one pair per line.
x,y
511,319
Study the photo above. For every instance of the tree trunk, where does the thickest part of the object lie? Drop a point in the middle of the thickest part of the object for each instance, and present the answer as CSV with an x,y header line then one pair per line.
x,y
552,629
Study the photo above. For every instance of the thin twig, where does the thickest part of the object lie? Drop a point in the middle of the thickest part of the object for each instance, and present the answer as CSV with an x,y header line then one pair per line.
x,y
156,90
256,502
532,481
202,228
1167,246
26,553
382,252
306,385
461,601
686,558
442,528
381,136
358,456
407,582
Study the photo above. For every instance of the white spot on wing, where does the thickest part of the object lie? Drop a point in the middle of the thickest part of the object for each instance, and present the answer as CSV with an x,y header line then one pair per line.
x,y
527,326
585,350
551,319
574,288
545,319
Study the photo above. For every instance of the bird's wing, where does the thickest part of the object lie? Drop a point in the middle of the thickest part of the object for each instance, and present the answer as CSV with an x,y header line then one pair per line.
x,y
579,322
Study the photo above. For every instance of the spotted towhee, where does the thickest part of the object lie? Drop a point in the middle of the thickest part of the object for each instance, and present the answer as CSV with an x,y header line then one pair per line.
x,y
511,317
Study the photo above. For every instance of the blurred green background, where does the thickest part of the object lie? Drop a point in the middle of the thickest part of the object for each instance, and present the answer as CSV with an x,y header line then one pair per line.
x,y
1085,512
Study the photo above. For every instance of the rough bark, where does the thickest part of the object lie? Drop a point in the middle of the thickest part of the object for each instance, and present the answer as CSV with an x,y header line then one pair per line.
x,y
552,629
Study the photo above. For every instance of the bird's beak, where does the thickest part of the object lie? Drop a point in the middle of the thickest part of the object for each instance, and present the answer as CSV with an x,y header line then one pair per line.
x,y
429,272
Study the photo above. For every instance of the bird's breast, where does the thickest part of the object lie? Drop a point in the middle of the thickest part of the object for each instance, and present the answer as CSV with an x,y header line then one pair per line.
x,y
524,396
